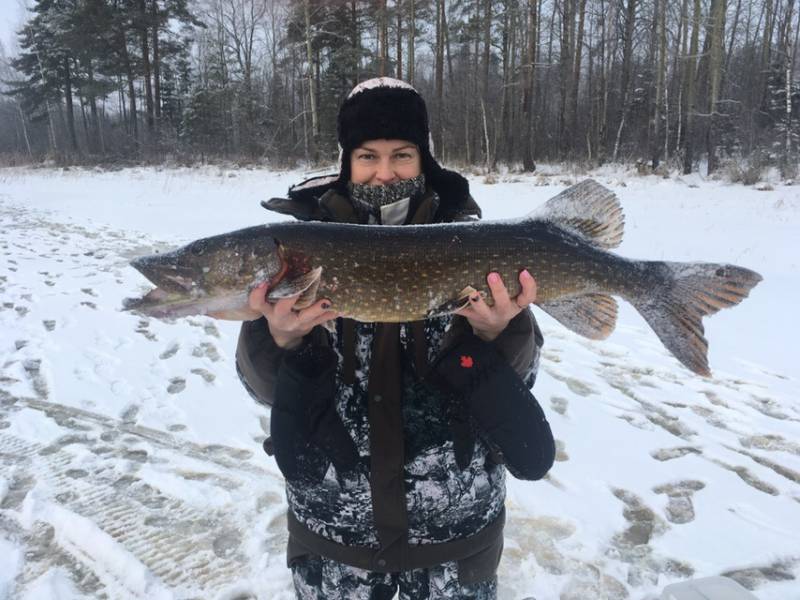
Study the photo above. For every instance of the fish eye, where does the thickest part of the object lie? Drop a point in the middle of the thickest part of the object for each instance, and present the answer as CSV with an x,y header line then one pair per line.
x,y
197,249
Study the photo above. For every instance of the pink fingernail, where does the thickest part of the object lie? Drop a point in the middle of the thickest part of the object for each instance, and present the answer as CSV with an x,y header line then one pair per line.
x,y
494,278
526,273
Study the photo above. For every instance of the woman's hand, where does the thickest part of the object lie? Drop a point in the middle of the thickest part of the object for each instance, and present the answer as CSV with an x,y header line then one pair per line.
x,y
288,326
489,321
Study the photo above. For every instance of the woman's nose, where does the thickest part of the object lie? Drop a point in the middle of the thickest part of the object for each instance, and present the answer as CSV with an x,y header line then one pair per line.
x,y
385,173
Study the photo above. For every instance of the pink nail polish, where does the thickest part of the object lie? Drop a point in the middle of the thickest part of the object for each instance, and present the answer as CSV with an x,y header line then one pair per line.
x,y
494,278
526,273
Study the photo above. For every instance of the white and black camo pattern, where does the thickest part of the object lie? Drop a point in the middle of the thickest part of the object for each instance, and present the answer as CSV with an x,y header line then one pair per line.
x,y
444,503
317,578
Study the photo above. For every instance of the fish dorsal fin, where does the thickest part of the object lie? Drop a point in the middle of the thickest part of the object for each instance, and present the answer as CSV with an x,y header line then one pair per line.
x,y
589,209
593,316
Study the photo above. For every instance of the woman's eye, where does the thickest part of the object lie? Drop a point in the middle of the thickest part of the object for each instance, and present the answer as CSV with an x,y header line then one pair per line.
x,y
402,156
366,156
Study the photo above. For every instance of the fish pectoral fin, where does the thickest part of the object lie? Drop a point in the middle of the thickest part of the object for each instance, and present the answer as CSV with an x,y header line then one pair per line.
x,y
455,304
304,286
309,295
593,316
589,209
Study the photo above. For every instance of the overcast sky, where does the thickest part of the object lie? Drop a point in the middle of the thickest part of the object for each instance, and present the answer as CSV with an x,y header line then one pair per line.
x,y
12,16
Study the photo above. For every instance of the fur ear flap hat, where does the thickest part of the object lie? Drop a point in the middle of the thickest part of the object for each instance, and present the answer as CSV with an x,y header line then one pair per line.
x,y
380,108
388,108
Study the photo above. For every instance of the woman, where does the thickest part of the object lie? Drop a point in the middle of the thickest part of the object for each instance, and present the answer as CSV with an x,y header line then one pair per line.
x,y
394,438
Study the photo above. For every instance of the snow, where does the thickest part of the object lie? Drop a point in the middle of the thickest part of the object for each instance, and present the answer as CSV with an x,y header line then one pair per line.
x,y
130,459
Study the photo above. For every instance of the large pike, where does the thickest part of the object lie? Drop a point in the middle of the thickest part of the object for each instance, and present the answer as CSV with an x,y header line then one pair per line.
x,y
411,272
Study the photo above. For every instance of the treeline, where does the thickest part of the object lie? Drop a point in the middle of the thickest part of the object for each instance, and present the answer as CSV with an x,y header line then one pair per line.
x,y
508,82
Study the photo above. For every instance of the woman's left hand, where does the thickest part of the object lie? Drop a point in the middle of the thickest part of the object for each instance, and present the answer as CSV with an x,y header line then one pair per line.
x,y
489,321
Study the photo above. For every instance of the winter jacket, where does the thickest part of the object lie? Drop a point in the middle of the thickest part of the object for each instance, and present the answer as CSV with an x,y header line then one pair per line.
x,y
394,458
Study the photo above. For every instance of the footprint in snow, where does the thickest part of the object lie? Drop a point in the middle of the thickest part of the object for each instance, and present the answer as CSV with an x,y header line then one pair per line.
x,y
559,404
781,470
143,329
49,324
680,508
664,454
771,443
643,523
207,376
76,473
171,351
561,453
129,414
176,385
747,476
207,350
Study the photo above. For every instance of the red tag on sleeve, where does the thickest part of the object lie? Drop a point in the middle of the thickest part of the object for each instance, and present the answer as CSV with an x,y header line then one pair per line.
x,y
466,362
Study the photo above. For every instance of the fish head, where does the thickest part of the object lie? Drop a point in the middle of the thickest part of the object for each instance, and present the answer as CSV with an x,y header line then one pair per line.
x,y
209,275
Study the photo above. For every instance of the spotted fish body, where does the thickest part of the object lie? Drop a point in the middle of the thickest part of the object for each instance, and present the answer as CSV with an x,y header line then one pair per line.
x,y
412,272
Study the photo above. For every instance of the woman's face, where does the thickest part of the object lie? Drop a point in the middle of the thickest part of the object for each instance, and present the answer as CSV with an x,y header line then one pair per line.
x,y
382,162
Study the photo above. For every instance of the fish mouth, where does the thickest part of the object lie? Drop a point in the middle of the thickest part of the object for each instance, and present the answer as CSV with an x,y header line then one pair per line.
x,y
159,303
164,274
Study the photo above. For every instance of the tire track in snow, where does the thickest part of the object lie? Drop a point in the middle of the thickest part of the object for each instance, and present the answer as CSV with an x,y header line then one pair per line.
x,y
109,524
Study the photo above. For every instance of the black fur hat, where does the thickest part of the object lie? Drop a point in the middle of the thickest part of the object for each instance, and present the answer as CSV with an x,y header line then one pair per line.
x,y
387,108
380,108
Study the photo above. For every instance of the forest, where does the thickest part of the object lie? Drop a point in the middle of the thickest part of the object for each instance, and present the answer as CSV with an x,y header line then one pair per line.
x,y
688,84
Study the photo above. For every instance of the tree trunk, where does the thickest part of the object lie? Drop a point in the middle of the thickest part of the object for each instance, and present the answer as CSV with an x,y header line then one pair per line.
x,y
788,167
312,86
691,65
439,75
24,129
602,109
148,88
356,42
529,82
446,32
766,49
412,35
487,45
660,81
576,71
627,69
717,25
73,138
383,39
399,11
565,78
156,63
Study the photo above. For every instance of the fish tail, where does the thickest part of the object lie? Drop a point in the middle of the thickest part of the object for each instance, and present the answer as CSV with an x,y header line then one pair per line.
x,y
683,294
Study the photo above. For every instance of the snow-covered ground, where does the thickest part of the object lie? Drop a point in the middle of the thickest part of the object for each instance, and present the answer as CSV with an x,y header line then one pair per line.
x,y
130,459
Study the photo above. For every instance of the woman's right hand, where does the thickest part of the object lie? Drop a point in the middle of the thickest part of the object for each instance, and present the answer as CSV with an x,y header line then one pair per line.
x,y
286,325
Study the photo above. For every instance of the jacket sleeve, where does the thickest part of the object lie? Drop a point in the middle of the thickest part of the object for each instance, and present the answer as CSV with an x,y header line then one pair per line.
x,y
504,412
258,359
520,343
307,432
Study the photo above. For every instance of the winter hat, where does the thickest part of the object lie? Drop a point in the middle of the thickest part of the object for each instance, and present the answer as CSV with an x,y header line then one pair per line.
x,y
382,108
